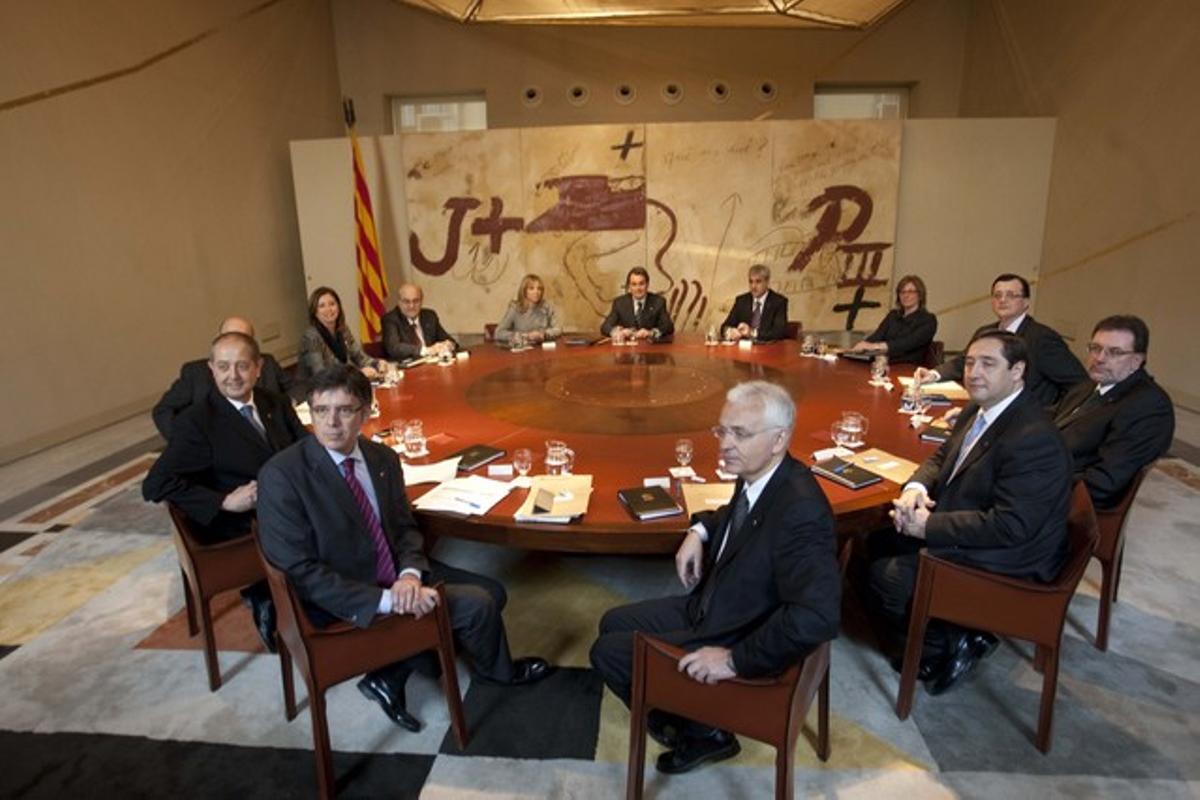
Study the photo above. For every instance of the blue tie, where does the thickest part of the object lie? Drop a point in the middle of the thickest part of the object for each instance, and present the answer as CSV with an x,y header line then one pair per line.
x,y
969,442
248,413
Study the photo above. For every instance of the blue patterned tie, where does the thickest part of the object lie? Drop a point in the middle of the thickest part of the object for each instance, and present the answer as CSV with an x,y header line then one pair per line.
x,y
248,413
968,442
385,564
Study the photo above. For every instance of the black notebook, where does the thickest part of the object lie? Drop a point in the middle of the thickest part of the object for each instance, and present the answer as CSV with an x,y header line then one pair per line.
x,y
936,434
649,502
841,471
476,456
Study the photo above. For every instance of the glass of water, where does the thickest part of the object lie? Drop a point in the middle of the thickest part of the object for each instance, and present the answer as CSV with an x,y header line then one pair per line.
x,y
879,368
414,438
523,461
683,451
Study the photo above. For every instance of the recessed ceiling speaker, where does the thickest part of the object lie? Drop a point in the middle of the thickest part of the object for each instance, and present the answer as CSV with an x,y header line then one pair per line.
x,y
672,93
766,91
624,93
719,91
531,96
578,95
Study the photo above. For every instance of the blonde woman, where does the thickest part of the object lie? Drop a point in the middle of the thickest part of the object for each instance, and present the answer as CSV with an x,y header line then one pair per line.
x,y
529,314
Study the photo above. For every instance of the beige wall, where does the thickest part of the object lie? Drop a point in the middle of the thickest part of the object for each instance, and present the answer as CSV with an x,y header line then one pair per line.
x,y
385,48
139,209
1122,229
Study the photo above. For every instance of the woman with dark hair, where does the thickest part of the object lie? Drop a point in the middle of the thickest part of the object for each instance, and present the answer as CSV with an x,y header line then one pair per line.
x,y
328,341
529,314
906,331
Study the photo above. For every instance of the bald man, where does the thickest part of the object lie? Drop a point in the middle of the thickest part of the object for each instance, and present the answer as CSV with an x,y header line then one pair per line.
x,y
410,331
195,381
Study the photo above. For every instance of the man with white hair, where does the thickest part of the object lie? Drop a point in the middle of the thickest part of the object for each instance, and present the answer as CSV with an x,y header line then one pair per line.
x,y
763,580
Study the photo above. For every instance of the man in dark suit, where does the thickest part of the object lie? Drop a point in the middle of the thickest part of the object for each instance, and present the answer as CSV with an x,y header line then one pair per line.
x,y
1052,368
994,496
1119,420
759,314
210,467
639,313
195,381
410,331
333,515
764,580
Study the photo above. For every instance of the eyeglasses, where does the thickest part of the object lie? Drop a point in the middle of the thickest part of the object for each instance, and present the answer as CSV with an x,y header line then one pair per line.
x,y
739,434
1007,296
344,413
1110,352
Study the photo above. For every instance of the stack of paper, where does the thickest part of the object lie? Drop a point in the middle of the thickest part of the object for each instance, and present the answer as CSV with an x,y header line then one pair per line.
x,y
706,496
952,390
430,473
556,498
473,494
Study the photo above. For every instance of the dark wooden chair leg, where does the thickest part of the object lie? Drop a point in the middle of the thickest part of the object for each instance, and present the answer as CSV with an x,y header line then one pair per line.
x,y
1119,562
1049,689
637,756
189,604
458,721
823,719
210,646
784,775
1107,590
289,683
326,784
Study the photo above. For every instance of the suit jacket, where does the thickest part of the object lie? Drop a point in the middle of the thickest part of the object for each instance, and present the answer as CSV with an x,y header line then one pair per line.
x,y
214,450
1005,510
1052,368
1112,438
773,324
907,337
310,527
315,355
775,593
654,315
400,341
195,381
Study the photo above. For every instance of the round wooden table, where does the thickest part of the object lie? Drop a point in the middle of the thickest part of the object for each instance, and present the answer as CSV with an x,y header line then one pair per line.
x,y
621,409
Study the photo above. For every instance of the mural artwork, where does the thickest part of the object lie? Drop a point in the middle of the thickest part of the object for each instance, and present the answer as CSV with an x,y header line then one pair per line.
x,y
695,203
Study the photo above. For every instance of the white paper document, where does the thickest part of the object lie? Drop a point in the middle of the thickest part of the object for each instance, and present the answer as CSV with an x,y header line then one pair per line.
x,y
473,494
430,473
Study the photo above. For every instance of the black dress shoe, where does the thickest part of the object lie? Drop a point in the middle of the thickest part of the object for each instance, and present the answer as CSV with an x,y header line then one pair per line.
x,y
983,643
263,611
663,728
963,658
390,699
530,669
927,669
692,751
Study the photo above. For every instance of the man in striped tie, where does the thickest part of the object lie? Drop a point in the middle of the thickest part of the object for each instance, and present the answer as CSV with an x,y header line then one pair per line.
x,y
994,496
333,515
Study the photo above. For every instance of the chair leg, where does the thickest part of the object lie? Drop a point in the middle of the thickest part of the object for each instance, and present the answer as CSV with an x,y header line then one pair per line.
x,y
458,720
1107,592
784,775
635,781
1039,658
189,604
289,685
1049,688
1118,563
326,786
823,719
210,645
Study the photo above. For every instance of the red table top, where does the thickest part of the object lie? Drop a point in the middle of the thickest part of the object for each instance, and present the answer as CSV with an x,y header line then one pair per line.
x,y
621,409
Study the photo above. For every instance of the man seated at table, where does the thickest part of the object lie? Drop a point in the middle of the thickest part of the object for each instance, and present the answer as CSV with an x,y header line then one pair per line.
x,y
1119,420
410,331
639,313
759,314
1051,370
211,463
195,381
764,582
333,515
994,496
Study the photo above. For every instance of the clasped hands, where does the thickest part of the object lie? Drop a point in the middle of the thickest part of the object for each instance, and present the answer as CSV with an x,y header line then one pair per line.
x,y
636,333
409,596
910,512
708,664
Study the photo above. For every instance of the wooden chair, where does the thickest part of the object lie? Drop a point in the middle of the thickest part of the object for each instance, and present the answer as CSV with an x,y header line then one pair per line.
x,y
770,710
793,330
934,354
1005,606
489,332
374,349
327,656
208,570
1110,552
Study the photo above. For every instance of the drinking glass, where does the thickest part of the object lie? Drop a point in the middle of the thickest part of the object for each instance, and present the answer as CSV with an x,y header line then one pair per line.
x,y
809,345
710,337
414,438
838,434
683,451
618,336
879,369
913,399
559,458
518,341
397,430
523,461
854,425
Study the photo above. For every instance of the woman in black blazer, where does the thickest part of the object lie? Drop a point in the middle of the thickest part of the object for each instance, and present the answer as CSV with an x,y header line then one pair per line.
x,y
905,333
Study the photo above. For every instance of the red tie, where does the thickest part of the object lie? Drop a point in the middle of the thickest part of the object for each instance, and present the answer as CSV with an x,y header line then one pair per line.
x,y
385,564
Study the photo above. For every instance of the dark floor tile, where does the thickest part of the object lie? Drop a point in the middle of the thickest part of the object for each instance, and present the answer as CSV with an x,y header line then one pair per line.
x,y
58,528
92,765
558,717
11,538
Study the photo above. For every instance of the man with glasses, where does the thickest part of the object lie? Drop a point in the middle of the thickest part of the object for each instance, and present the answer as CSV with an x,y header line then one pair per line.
x,y
763,580
1052,368
333,515
217,447
410,331
1119,420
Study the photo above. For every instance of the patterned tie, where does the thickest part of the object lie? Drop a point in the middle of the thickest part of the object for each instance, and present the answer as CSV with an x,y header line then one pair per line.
x,y
385,564
417,330
968,442
248,413
741,508
637,313
756,316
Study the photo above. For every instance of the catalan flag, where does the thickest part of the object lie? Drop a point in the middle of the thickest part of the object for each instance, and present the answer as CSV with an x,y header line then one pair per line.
x,y
372,281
